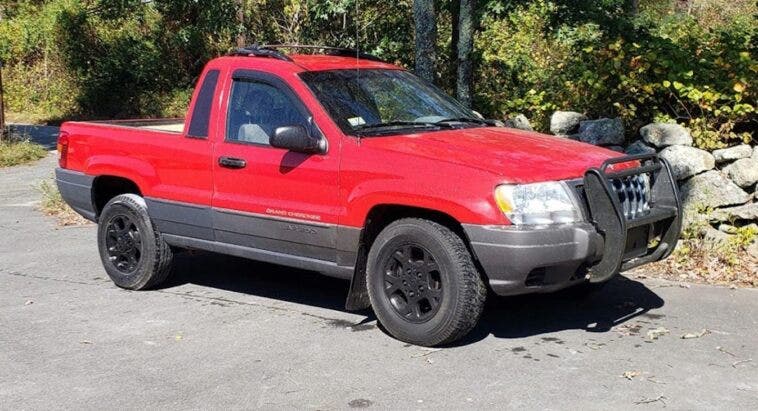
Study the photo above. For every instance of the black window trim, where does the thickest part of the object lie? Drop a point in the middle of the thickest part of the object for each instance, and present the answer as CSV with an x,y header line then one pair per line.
x,y
205,97
281,85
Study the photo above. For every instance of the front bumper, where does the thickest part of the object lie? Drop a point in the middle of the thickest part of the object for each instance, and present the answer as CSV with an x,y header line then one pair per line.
x,y
519,260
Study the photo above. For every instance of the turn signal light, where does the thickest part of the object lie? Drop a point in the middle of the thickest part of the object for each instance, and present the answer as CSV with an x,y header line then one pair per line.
x,y
63,149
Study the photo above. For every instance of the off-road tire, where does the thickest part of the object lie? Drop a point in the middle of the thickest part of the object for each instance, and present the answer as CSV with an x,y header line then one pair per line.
x,y
462,290
153,264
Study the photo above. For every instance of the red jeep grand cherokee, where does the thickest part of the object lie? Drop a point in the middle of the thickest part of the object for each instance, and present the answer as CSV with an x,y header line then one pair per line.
x,y
353,167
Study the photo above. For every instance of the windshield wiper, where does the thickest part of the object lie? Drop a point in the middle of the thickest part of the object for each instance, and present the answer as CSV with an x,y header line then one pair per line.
x,y
399,123
471,120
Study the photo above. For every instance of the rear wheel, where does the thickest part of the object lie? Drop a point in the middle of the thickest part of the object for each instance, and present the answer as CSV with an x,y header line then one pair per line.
x,y
423,284
133,252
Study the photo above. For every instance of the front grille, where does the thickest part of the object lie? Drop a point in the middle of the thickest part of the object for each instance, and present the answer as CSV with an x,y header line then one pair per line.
x,y
633,194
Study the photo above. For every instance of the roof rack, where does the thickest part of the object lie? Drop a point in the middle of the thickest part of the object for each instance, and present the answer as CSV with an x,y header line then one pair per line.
x,y
260,51
272,50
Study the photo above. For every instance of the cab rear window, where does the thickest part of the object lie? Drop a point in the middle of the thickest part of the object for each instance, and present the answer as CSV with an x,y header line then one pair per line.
x,y
201,114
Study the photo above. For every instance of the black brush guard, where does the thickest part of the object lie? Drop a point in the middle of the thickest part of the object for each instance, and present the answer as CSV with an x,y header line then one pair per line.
x,y
663,219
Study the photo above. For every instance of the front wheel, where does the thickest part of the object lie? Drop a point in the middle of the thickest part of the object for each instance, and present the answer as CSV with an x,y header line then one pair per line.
x,y
133,252
423,284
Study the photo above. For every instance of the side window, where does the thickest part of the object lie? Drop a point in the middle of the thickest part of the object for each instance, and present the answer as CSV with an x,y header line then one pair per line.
x,y
201,114
257,109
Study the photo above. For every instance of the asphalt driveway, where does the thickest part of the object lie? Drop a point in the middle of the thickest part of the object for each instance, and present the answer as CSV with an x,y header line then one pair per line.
x,y
226,332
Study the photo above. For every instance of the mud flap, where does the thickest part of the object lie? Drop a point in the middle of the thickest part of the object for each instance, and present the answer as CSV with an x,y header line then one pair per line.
x,y
357,297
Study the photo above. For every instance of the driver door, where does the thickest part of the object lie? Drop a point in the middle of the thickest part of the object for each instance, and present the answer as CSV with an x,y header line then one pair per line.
x,y
269,198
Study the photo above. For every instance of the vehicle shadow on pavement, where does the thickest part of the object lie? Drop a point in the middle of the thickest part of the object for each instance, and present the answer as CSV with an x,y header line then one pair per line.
x,y
621,300
256,278
504,317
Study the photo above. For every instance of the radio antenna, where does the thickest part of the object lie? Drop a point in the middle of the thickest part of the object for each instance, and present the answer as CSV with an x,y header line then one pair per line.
x,y
357,32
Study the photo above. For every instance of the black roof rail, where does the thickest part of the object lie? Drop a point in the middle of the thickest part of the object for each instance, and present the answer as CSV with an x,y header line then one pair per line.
x,y
272,50
259,51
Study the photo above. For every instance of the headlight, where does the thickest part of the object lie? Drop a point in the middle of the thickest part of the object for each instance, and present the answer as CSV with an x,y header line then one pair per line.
x,y
538,204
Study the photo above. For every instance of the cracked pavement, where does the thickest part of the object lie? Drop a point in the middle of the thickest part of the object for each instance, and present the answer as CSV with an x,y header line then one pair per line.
x,y
231,333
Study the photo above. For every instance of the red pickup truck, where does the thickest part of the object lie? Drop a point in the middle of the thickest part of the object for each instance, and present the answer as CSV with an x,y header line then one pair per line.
x,y
343,164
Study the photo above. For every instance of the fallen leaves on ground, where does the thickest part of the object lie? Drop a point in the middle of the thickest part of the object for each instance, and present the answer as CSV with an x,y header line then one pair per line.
x,y
695,335
736,363
695,260
630,375
657,332
725,351
628,329
659,398
427,351
593,345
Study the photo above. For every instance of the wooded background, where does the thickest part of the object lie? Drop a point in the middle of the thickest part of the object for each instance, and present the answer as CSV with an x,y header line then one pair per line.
x,y
689,61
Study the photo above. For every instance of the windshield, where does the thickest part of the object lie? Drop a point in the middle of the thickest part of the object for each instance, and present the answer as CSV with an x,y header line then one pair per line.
x,y
372,102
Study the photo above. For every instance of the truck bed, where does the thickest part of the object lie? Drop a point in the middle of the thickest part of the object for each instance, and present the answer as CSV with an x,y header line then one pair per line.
x,y
171,125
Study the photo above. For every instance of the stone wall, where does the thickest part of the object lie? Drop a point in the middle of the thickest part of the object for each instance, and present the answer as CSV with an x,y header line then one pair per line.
x,y
717,188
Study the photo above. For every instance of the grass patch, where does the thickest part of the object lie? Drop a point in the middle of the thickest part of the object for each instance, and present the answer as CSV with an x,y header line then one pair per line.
x,y
15,151
27,118
54,205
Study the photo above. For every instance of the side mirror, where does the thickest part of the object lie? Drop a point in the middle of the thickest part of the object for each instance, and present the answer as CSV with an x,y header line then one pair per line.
x,y
297,139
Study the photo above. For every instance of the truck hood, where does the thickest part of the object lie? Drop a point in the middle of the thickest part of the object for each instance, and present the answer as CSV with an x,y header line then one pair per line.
x,y
515,155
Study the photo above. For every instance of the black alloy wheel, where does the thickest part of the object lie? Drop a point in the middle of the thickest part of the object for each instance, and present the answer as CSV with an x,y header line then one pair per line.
x,y
124,243
413,283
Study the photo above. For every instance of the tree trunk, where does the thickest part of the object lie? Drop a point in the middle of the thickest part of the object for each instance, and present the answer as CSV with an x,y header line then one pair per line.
x,y
2,106
455,11
241,38
634,7
426,38
465,50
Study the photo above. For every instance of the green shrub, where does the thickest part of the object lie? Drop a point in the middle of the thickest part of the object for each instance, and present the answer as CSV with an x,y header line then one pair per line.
x,y
671,67
123,58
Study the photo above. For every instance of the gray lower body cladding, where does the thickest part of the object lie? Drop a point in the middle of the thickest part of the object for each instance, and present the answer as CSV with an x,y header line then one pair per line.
x,y
76,191
300,244
519,261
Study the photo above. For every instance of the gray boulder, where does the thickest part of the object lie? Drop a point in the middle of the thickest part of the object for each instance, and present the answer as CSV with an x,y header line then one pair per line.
x,y
520,122
711,189
752,250
602,132
687,161
639,147
714,236
666,134
563,123
755,153
727,228
744,172
747,212
732,153
693,217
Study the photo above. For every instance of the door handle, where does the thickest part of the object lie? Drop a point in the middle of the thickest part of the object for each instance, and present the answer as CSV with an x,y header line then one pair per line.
x,y
231,162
